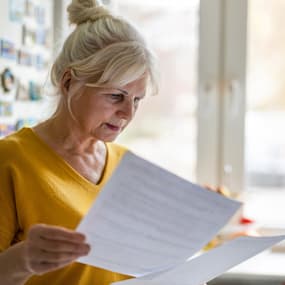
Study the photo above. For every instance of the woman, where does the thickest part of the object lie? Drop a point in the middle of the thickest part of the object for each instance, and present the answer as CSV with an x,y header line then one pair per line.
x,y
51,174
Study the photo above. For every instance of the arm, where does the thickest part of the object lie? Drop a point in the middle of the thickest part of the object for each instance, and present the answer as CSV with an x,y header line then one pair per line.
x,y
46,248
11,268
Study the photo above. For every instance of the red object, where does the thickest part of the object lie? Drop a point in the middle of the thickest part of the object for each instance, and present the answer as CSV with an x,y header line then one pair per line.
x,y
245,221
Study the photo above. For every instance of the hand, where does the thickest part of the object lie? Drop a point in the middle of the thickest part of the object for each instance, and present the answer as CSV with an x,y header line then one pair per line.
x,y
48,248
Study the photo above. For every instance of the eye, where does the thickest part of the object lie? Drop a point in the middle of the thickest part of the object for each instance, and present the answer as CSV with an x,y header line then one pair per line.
x,y
116,97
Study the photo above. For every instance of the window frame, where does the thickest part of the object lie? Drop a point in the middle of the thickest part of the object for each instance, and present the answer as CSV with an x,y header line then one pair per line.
x,y
222,93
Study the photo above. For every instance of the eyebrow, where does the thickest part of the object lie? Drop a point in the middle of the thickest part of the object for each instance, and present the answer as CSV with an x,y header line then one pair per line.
x,y
123,91
126,92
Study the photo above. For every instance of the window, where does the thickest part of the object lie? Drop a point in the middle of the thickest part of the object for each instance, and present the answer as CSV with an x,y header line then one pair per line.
x,y
265,116
164,130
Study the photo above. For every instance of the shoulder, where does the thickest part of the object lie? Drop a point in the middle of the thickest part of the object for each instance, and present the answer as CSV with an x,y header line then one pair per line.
x,y
116,150
12,145
16,138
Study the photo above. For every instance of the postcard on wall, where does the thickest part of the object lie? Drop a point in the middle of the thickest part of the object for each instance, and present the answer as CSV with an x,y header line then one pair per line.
x,y
16,10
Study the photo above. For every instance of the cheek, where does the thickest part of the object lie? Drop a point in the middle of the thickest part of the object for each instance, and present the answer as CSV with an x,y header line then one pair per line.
x,y
87,110
93,112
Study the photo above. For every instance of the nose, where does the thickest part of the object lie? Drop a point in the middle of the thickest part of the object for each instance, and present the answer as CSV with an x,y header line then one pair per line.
x,y
126,110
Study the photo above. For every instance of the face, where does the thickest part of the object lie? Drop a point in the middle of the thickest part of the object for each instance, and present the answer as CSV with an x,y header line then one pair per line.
x,y
104,113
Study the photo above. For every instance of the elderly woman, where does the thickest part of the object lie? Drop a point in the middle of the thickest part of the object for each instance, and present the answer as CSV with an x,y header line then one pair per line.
x,y
51,174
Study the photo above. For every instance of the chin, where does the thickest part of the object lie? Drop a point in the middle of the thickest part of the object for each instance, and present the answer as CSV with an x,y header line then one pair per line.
x,y
109,138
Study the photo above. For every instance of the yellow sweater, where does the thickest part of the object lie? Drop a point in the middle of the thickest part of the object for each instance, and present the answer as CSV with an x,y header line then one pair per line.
x,y
38,186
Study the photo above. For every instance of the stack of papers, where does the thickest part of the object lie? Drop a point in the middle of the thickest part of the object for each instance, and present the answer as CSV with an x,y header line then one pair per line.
x,y
150,223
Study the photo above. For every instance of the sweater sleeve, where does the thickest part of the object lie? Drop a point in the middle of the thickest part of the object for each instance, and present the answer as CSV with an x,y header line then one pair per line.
x,y
8,216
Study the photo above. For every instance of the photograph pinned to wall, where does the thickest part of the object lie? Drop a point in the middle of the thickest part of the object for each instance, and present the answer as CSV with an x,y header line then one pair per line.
x,y
30,9
16,10
7,49
29,36
41,62
25,58
41,35
8,81
6,108
40,15
6,129
35,91
22,93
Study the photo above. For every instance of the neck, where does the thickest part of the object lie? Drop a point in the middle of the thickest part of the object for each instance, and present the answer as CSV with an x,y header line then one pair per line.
x,y
66,135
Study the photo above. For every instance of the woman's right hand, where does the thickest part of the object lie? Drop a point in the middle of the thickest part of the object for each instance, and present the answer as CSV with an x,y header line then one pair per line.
x,y
48,248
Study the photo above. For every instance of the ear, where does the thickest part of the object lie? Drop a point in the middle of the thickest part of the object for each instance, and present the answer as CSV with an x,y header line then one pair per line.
x,y
65,82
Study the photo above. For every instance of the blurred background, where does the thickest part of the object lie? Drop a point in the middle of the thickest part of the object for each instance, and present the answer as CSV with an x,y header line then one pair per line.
x,y
219,118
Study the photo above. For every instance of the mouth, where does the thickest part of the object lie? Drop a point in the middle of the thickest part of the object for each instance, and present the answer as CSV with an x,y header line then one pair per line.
x,y
113,127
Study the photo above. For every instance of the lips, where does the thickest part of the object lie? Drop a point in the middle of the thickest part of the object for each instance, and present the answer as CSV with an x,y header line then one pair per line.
x,y
113,127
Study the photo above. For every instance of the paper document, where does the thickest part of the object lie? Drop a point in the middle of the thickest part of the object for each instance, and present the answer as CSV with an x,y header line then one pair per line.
x,y
209,265
147,220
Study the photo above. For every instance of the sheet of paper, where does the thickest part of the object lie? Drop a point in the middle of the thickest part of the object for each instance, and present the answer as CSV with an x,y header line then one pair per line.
x,y
147,219
209,265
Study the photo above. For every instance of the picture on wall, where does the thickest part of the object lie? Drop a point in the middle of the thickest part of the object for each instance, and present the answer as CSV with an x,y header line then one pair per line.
x,y
8,81
28,36
30,8
25,58
16,10
35,36
7,49
22,93
40,15
6,108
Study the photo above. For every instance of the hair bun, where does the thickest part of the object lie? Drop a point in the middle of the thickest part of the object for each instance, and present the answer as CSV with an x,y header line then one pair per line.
x,y
81,11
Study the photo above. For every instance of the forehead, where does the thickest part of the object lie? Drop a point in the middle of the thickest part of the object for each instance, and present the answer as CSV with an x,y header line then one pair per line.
x,y
137,86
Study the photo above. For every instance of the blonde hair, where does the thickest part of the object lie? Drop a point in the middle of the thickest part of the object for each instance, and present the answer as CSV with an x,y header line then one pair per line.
x,y
103,50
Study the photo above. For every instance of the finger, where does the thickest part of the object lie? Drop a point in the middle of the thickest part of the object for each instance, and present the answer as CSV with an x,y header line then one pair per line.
x,y
62,246
55,233
38,258
58,257
44,267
